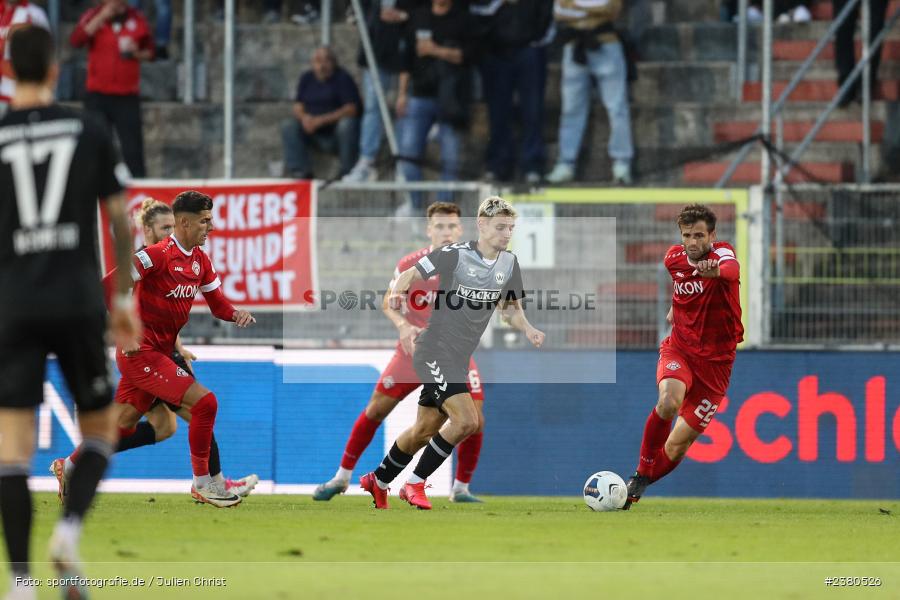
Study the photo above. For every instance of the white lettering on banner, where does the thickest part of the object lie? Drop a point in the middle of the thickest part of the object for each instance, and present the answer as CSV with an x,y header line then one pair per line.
x,y
261,249
252,253
688,288
54,405
267,286
256,210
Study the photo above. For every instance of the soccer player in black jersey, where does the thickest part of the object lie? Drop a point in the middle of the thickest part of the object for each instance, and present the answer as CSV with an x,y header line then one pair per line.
x,y
55,164
475,277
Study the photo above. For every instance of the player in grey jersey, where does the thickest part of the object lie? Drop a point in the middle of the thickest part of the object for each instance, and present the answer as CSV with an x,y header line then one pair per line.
x,y
475,278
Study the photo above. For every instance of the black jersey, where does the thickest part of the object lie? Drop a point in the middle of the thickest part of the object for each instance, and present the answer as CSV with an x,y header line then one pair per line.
x,y
470,289
55,164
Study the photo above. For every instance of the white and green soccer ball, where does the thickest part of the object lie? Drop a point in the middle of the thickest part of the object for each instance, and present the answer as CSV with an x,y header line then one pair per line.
x,y
604,491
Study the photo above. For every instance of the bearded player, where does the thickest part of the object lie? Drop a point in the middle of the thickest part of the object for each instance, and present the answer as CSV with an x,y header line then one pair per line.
x,y
695,361
157,221
168,276
399,379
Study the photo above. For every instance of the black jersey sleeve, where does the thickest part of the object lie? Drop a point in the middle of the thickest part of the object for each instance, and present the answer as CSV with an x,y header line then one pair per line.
x,y
108,159
441,262
514,289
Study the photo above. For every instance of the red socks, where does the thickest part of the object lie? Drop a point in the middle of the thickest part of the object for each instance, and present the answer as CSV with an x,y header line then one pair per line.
x,y
360,437
662,465
467,453
656,431
200,430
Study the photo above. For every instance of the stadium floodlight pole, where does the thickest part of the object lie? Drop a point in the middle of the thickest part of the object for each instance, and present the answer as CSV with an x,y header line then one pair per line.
x,y
228,101
866,35
188,52
741,50
766,125
325,23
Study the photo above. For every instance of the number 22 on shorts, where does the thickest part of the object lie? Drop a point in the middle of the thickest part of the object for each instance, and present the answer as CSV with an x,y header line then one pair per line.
x,y
705,411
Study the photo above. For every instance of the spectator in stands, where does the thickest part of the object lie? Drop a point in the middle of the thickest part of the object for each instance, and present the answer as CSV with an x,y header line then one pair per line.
x,y
592,49
385,21
786,11
326,111
435,86
163,28
118,40
12,16
845,49
515,64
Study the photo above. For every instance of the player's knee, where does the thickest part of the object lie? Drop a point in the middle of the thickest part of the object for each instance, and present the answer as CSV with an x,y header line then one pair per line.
x,y
379,407
467,425
127,419
166,429
207,405
667,406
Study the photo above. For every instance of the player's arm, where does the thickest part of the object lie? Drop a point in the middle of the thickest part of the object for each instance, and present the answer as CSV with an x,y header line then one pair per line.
x,y
724,265
218,304
188,356
124,323
406,330
512,312
511,309
222,309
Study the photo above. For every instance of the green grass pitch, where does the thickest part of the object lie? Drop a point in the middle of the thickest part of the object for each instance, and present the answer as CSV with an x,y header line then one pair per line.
x,y
285,547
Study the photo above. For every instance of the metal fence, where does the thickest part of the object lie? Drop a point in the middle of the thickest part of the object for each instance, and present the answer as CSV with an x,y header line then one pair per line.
x,y
835,279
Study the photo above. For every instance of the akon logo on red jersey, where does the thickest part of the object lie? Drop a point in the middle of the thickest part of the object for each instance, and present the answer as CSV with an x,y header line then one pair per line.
x,y
184,291
688,288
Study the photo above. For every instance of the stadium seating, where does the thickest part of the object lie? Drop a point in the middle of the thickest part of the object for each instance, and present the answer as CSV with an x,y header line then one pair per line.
x,y
683,107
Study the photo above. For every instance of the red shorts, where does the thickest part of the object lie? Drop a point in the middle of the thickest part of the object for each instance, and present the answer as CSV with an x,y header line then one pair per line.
x,y
148,375
399,379
706,383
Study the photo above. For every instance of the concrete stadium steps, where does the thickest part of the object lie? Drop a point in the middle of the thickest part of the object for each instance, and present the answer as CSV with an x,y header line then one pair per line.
x,y
784,70
821,90
683,109
799,50
708,173
823,10
795,131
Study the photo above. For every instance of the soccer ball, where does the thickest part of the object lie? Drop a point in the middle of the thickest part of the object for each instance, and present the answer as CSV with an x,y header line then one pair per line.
x,y
605,491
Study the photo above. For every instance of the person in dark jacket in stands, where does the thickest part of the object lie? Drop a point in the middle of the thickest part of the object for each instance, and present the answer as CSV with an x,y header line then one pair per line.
x,y
435,87
845,49
385,20
514,66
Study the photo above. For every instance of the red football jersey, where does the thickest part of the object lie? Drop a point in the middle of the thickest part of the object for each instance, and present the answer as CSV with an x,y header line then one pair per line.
x,y
168,278
706,311
417,308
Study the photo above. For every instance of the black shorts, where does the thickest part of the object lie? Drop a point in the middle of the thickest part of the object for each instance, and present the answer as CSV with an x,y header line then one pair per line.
x,y
79,346
442,376
178,359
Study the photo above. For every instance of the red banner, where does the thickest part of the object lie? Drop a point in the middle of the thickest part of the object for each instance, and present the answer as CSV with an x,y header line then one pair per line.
x,y
263,242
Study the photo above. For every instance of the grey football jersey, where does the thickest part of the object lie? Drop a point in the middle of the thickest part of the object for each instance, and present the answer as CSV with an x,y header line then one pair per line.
x,y
470,289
